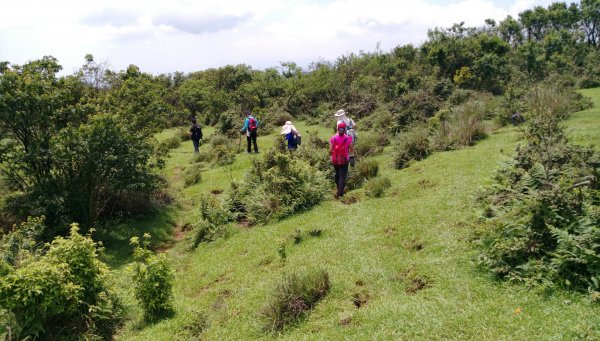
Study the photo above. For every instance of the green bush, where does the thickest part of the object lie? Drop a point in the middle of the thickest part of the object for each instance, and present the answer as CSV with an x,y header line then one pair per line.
x,y
363,170
18,245
215,221
541,226
63,291
370,144
276,186
294,297
192,175
463,127
153,280
414,144
218,150
376,187
172,142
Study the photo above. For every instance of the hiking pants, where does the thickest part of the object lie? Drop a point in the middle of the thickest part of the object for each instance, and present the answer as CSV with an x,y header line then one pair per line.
x,y
196,145
341,172
251,138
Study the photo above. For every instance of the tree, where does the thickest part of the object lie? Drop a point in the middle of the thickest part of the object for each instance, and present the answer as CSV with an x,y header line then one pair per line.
x,y
590,21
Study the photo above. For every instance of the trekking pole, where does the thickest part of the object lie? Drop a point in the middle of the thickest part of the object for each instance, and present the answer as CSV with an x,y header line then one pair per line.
x,y
240,144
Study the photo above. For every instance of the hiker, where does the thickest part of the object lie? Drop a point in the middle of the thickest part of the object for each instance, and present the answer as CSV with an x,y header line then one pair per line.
x,y
250,127
340,116
291,134
516,118
195,134
340,147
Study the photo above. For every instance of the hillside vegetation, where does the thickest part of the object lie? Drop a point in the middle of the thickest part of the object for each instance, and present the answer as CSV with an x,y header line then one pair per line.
x,y
457,224
401,266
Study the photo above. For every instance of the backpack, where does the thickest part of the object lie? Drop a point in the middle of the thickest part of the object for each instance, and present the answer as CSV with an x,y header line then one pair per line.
x,y
196,132
339,155
252,125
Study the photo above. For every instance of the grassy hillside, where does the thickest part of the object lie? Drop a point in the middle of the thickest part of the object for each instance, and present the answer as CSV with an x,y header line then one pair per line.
x,y
405,259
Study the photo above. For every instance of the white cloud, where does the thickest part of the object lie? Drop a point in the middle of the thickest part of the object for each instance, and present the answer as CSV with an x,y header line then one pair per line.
x,y
188,35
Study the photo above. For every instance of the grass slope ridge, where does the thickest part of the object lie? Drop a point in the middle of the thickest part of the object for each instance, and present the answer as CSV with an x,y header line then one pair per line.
x,y
400,266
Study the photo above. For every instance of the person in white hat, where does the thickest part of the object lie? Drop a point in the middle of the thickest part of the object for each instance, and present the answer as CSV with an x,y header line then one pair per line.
x,y
340,116
291,134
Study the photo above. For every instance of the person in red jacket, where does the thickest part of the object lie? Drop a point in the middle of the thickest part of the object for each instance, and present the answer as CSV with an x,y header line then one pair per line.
x,y
340,147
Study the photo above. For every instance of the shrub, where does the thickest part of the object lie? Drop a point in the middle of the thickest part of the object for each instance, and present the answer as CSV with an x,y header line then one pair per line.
x,y
172,142
152,280
18,245
363,170
215,221
463,128
412,145
63,291
541,227
376,187
369,144
278,185
192,175
182,134
294,297
219,150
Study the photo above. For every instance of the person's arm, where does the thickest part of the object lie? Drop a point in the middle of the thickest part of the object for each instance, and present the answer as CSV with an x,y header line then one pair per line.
x,y
245,127
330,146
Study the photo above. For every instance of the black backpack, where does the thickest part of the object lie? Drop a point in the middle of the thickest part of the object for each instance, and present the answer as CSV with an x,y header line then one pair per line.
x,y
196,132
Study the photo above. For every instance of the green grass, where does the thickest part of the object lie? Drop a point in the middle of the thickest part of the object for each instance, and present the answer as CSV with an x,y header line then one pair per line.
x,y
405,258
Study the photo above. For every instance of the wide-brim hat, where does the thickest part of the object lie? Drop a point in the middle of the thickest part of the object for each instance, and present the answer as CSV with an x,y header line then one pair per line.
x,y
340,112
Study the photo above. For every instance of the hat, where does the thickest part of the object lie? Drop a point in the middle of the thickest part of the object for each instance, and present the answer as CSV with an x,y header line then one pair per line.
x,y
287,128
340,112
341,125
247,112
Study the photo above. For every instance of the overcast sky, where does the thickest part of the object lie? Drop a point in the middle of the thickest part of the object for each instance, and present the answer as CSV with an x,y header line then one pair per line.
x,y
191,35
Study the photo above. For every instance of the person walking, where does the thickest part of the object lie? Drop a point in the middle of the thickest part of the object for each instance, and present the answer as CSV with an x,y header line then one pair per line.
x,y
195,134
291,134
340,147
341,117
250,128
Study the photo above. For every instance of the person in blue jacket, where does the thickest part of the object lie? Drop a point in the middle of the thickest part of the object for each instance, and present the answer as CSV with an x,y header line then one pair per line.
x,y
291,135
250,128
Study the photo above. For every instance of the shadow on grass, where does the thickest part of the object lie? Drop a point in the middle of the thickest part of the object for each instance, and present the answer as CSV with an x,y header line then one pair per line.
x,y
116,237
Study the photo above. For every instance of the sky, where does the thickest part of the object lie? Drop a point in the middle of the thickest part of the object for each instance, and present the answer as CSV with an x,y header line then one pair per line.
x,y
164,36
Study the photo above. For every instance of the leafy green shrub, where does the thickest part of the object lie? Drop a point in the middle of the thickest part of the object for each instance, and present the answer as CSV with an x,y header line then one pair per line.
x,y
63,291
376,187
215,221
541,227
153,280
182,134
192,175
219,150
370,144
172,142
363,170
463,127
294,297
276,186
18,245
412,145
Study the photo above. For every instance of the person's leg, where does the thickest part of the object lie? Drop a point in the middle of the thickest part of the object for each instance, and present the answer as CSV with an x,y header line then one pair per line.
x,y
337,179
343,172
254,135
196,145
249,142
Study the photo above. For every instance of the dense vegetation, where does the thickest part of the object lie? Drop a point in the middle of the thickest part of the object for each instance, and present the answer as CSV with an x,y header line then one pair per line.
x,y
82,148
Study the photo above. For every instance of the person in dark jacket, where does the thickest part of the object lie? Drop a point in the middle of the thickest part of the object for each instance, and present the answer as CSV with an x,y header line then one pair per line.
x,y
195,134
